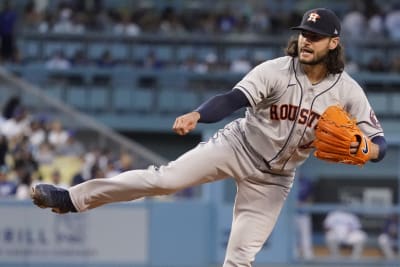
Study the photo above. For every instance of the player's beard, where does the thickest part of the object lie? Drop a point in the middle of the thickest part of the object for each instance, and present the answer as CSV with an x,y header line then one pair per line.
x,y
318,59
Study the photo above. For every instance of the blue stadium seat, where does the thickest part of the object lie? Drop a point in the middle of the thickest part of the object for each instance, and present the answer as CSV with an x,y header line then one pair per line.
x,y
95,50
163,53
177,101
185,52
98,99
123,76
118,51
168,101
189,101
395,98
30,49
5,93
70,48
35,73
121,99
50,47
368,54
236,53
55,91
143,100
259,54
77,97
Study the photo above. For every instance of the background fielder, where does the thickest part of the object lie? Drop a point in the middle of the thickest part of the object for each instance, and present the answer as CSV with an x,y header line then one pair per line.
x,y
285,97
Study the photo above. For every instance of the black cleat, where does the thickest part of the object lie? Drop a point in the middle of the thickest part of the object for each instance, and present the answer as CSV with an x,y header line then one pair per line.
x,y
50,196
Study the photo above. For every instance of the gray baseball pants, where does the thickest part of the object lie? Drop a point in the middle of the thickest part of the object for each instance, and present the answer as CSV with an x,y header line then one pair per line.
x,y
259,199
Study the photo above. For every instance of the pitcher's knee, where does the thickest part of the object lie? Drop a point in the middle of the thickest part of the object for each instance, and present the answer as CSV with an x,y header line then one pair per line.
x,y
163,183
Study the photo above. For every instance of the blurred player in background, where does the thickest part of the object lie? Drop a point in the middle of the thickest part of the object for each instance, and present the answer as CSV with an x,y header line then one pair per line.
x,y
303,219
344,228
388,239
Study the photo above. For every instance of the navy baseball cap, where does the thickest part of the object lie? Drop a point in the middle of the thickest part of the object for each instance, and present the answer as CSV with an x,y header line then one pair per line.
x,y
320,20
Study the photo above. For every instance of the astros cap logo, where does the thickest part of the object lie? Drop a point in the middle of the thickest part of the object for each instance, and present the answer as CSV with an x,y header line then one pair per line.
x,y
313,17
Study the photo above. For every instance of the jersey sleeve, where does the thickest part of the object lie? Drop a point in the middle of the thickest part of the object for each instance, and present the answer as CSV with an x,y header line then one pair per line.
x,y
359,107
258,83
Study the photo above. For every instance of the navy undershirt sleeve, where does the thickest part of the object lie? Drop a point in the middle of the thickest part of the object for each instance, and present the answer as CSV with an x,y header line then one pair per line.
x,y
381,142
222,105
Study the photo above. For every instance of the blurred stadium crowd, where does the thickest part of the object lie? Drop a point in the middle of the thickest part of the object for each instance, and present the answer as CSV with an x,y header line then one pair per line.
x,y
37,147
29,138
361,20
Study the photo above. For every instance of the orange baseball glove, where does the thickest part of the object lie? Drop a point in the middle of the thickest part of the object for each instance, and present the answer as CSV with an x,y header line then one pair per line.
x,y
334,133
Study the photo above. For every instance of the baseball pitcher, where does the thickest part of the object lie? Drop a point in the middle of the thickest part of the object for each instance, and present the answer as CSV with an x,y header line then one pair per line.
x,y
285,98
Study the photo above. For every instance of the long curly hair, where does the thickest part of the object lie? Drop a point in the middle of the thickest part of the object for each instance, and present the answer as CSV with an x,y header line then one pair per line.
x,y
334,61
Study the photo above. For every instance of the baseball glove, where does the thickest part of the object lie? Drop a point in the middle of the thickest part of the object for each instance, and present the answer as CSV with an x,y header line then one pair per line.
x,y
334,133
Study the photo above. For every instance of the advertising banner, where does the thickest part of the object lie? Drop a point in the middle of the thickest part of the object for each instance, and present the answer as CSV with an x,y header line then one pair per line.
x,y
114,234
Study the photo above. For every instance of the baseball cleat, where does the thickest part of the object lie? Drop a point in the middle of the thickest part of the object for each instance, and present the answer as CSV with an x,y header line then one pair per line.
x,y
50,196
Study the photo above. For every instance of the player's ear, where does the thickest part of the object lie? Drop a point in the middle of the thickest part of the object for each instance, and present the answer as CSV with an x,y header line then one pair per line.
x,y
333,43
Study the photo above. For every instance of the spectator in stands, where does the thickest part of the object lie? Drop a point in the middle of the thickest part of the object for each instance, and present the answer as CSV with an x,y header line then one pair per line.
x,y
303,219
351,66
101,21
226,21
376,23
80,58
72,147
89,160
111,170
79,22
24,162
9,107
46,25
106,60
64,24
240,65
24,186
41,5
125,162
151,61
16,126
97,172
193,64
25,169
36,134
260,21
170,22
344,229
392,22
44,154
8,19
7,188
57,135
92,161
3,150
395,65
56,179
211,61
376,64
388,239
125,25
58,61
31,17
354,24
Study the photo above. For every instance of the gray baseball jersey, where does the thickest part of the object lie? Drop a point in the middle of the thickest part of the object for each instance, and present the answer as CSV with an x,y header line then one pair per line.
x,y
261,151
286,107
